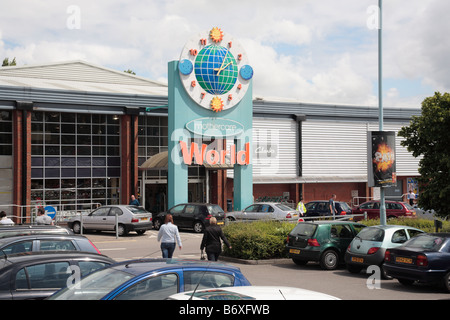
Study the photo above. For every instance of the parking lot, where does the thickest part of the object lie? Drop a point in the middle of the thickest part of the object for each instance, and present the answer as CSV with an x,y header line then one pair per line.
x,y
339,283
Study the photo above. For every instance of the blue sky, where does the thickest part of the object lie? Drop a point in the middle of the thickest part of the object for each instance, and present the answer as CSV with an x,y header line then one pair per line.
x,y
304,50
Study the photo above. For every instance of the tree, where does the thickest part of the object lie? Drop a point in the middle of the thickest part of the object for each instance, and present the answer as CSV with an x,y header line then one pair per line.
x,y
7,63
130,71
428,136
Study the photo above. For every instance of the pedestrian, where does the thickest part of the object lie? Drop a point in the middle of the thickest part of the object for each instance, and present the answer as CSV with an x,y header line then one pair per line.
x,y
4,220
332,205
168,234
42,218
411,197
134,201
301,208
211,240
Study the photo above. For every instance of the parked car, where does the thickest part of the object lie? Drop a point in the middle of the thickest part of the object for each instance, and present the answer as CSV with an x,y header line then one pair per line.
x,y
322,208
394,209
192,216
37,275
21,230
323,241
252,293
46,242
130,218
265,210
424,258
152,279
369,246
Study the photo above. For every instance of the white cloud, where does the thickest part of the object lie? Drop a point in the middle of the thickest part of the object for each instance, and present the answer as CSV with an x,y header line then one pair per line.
x,y
319,51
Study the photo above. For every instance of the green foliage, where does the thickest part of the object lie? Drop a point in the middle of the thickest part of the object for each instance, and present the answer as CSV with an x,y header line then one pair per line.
x,y
427,136
422,224
7,63
257,240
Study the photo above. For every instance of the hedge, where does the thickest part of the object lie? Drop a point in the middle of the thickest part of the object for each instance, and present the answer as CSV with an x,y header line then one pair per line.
x,y
266,239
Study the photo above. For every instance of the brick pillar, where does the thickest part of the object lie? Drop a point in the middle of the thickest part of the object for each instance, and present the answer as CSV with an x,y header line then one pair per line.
x,y
129,157
22,162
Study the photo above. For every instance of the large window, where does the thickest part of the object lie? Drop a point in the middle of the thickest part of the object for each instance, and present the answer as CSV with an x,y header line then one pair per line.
x,y
75,159
5,133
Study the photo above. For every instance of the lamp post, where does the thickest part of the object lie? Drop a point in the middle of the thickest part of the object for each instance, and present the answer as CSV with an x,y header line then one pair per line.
x,y
380,101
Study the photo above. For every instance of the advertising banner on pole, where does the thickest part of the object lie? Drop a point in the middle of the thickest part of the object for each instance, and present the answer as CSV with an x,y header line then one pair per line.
x,y
381,164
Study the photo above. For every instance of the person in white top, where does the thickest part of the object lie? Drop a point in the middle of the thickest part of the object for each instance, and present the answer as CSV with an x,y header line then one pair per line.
x,y
167,234
4,220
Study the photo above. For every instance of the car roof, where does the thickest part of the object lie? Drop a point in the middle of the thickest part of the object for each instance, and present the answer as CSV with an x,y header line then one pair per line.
x,y
141,266
37,256
332,222
40,236
391,226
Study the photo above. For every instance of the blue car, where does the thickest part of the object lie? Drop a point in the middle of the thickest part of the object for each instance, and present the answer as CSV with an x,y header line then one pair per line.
x,y
424,258
152,279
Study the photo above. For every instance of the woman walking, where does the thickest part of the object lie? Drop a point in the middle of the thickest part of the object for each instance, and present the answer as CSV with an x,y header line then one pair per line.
x,y
167,234
211,240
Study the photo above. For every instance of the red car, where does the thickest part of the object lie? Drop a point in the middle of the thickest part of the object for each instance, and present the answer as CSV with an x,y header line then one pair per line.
x,y
394,209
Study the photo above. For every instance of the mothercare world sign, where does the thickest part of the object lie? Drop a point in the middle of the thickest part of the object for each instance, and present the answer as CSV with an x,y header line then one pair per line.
x,y
210,99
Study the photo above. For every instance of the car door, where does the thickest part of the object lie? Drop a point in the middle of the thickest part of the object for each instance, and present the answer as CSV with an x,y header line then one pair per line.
x,y
265,211
96,219
176,213
341,235
39,281
251,212
186,219
110,221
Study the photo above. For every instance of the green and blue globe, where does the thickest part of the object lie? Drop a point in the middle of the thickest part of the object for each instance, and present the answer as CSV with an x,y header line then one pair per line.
x,y
214,57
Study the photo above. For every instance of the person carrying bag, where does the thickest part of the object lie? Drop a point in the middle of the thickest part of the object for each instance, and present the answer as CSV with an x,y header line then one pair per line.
x,y
211,241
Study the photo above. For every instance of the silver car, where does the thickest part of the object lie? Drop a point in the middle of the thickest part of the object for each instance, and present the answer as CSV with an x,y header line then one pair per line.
x,y
130,218
264,210
370,244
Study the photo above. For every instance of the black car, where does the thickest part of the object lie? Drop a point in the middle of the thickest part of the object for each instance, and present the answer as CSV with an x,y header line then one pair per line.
x,y
424,258
21,230
192,216
46,242
37,275
322,208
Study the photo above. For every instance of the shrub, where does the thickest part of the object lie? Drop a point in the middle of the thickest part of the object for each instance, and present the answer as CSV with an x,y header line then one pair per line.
x,y
257,240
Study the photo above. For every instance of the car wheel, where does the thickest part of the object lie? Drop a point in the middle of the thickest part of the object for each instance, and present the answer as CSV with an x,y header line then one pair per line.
x,y
76,227
198,227
446,282
329,260
157,224
122,231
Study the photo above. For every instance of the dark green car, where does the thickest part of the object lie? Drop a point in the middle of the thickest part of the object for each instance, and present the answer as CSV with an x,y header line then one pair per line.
x,y
322,241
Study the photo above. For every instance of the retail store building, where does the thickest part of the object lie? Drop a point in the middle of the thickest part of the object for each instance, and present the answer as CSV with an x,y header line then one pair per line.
x,y
74,135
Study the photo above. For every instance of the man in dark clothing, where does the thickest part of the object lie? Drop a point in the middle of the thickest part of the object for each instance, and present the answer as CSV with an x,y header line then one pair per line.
x,y
211,240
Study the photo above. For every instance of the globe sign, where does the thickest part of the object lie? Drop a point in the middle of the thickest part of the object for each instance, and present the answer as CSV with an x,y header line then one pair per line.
x,y
208,61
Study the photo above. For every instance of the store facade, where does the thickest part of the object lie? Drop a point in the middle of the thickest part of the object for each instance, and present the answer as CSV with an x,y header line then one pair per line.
x,y
77,135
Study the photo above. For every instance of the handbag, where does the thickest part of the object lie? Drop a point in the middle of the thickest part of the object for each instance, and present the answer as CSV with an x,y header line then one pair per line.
x,y
202,256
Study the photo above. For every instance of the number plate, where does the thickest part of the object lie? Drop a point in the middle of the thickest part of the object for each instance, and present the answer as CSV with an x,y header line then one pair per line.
x,y
144,219
295,251
403,260
359,260
220,223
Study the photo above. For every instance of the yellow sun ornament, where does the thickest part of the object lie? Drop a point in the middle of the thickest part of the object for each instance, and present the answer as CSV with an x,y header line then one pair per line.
x,y
216,34
216,104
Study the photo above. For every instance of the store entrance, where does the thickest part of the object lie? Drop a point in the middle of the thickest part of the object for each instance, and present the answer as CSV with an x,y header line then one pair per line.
x,y
154,199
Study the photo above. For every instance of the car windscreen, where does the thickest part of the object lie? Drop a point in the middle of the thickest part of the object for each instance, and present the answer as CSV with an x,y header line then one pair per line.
x,y
425,242
137,210
94,286
304,229
371,234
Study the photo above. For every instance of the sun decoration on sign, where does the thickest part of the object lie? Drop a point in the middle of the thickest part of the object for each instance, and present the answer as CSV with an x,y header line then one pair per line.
x,y
216,34
216,104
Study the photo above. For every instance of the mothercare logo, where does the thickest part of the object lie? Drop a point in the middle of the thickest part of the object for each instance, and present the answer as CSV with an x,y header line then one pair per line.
x,y
215,127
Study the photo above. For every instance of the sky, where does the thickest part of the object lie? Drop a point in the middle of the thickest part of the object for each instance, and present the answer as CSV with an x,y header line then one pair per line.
x,y
315,51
